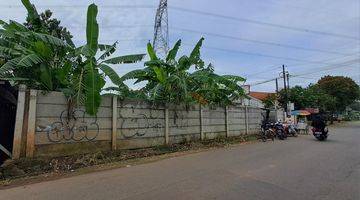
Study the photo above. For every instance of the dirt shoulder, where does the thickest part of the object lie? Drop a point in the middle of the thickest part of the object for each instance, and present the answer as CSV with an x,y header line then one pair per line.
x,y
27,171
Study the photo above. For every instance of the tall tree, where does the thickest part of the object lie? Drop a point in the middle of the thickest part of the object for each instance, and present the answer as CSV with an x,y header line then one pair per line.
x,y
343,89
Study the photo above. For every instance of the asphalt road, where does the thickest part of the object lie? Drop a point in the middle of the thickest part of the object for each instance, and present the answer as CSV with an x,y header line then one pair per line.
x,y
297,169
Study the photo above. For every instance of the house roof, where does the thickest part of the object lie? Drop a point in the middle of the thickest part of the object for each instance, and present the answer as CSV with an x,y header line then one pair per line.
x,y
260,95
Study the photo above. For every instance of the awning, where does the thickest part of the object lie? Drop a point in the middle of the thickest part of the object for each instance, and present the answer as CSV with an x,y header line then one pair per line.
x,y
300,112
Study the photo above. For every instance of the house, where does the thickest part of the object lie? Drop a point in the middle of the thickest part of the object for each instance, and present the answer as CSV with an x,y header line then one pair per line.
x,y
255,99
261,95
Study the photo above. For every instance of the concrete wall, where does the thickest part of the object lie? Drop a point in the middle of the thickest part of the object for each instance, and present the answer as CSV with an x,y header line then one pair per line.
x,y
138,124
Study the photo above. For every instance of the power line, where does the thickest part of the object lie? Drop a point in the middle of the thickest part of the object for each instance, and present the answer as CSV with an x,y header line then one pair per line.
x,y
81,6
258,41
262,82
264,23
239,19
277,66
240,52
264,71
330,67
260,54
231,37
326,68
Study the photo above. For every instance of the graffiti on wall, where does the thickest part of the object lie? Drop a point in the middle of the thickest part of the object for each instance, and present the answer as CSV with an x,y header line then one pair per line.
x,y
72,127
140,124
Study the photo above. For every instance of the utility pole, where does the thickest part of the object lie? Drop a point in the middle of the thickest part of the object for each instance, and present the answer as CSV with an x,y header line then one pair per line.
x,y
288,80
277,97
285,89
161,31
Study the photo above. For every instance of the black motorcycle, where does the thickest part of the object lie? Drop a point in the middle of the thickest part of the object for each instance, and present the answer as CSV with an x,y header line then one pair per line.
x,y
319,134
267,132
280,131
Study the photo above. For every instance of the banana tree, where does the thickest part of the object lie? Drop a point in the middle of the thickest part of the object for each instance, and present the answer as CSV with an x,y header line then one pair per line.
x,y
87,80
45,62
167,79
210,88
35,59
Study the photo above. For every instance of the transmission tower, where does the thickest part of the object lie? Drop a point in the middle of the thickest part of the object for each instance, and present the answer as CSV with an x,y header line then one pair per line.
x,y
161,31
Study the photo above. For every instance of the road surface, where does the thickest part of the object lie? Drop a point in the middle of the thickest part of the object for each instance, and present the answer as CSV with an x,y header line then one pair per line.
x,y
297,169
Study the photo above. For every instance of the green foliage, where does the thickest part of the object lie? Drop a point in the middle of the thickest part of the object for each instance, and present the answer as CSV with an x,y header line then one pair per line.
x,y
343,89
41,55
355,106
31,56
330,94
170,80
43,23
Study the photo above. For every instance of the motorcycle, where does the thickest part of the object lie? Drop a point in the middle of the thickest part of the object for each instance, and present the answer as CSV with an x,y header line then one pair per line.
x,y
290,129
280,131
267,132
319,134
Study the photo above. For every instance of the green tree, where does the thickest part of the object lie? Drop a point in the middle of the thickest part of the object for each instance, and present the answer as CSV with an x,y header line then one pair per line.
x,y
170,79
298,95
42,61
44,23
309,97
343,89
167,79
207,87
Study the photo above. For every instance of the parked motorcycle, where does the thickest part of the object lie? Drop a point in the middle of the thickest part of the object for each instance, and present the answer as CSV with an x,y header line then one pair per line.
x,y
267,132
319,134
280,131
290,129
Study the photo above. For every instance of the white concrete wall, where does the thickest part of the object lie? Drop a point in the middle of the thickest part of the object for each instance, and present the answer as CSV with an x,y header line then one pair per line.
x,y
138,124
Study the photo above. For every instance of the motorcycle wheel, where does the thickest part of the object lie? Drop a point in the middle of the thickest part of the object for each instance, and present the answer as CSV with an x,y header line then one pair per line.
x,y
320,138
280,135
263,138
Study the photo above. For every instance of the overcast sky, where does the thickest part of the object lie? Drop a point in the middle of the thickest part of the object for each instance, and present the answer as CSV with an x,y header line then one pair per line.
x,y
243,37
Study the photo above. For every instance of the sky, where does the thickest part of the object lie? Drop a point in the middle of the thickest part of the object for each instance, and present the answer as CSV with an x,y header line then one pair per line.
x,y
252,39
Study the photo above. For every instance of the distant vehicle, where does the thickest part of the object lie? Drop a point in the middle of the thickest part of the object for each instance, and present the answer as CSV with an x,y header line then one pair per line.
x,y
319,134
319,130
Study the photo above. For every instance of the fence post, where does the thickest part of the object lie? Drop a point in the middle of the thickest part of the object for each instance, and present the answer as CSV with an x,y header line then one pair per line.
x,y
227,120
246,120
166,125
202,137
19,122
114,123
30,135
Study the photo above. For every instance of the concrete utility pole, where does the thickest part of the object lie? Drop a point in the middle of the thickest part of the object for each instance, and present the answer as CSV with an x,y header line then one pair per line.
x,y
161,31
285,89
288,80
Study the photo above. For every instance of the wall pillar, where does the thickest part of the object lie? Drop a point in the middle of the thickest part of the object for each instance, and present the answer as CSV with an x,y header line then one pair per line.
x,y
202,136
30,134
114,123
166,134
20,109
246,120
227,121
